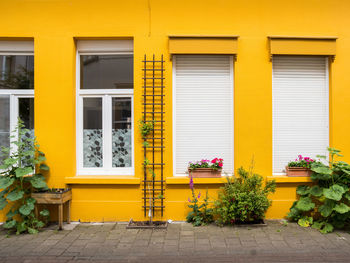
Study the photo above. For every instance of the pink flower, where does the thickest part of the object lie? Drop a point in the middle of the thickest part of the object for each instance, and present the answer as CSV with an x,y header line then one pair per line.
x,y
199,195
300,157
191,183
220,164
189,200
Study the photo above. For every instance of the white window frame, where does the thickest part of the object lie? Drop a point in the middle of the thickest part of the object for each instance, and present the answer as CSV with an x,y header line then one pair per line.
x,y
16,48
106,95
174,114
328,100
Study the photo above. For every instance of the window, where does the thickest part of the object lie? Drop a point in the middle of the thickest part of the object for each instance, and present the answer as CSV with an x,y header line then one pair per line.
x,y
300,108
105,102
203,110
16,88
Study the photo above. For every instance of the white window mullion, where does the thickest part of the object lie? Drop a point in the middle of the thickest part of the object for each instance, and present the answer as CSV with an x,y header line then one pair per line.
x,y
107,132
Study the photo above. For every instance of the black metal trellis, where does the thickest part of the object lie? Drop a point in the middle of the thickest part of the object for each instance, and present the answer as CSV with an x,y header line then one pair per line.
x,y
153,111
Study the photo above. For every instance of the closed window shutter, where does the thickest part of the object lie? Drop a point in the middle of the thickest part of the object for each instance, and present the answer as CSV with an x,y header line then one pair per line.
x,y
300,108
203,110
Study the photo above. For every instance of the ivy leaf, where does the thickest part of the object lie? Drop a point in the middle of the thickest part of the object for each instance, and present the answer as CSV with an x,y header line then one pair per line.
x,y
45,213
327,208
316,191
20,172
3,203
38,182
342,208
303,190
32,230
6,182
10,224
15,195
44,167
305,204
327,228
335,192
305,221
26,209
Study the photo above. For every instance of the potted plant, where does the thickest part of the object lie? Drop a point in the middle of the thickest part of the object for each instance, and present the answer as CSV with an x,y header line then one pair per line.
x,y
300,167
206,168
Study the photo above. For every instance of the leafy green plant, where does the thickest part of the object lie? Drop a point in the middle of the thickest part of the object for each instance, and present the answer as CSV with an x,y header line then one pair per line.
x,y
145,128
201,214
326,204
19,177
243,199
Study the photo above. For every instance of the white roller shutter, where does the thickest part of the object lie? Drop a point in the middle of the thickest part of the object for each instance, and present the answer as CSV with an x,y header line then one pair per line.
x,y
300,108
203,110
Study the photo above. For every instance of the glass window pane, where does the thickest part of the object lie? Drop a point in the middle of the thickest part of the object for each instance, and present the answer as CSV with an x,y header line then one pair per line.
x,y
26,112
92,132
106,72
121,132
16,72
4,123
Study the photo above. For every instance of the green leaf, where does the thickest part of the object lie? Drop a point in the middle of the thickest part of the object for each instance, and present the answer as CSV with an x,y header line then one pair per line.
x,y
11,213
303,190
45,213
15,195
3,203
26,209
10,224
5,182
30,200
44,167
322,170
318,225
38,182
327,208
40,224
327,228
321,156
342,208
20,172
21,227
305,221
32,230
335,192
347,196
316,191
305,204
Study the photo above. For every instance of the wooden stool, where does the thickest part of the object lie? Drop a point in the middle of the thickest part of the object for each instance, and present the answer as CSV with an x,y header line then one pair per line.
x,y
55,198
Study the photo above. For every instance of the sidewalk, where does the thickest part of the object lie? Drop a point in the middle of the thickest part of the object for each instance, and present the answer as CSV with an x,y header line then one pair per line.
x,y
181,242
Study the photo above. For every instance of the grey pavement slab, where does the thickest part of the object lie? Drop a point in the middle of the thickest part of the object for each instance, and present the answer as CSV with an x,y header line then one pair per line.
x,y
181,242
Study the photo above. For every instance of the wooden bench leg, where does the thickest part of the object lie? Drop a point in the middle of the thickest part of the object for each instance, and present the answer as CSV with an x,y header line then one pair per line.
x,y
68,211
60,216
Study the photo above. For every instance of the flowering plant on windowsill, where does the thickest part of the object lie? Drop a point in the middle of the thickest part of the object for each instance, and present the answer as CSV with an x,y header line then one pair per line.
x,y
301,161
215,164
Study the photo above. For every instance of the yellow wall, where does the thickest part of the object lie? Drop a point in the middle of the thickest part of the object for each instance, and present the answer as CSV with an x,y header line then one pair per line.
x,y
55,24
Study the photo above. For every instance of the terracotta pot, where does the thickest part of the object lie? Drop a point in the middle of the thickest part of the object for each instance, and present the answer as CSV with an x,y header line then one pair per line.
x,y
204,173
298,171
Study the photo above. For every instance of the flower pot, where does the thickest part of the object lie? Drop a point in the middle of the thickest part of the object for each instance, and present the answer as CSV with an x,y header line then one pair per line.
x,y
298,171
205,173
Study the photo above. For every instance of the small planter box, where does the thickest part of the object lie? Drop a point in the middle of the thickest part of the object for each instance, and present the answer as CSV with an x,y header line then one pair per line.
x,y
298,171
55,196
205,173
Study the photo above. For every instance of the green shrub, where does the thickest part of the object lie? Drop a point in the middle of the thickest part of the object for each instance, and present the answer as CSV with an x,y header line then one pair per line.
x,y
243,199
326,204
19,177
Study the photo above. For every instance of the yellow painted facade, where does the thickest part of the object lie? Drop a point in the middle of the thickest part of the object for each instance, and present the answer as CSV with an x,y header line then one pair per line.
x,y
55,25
